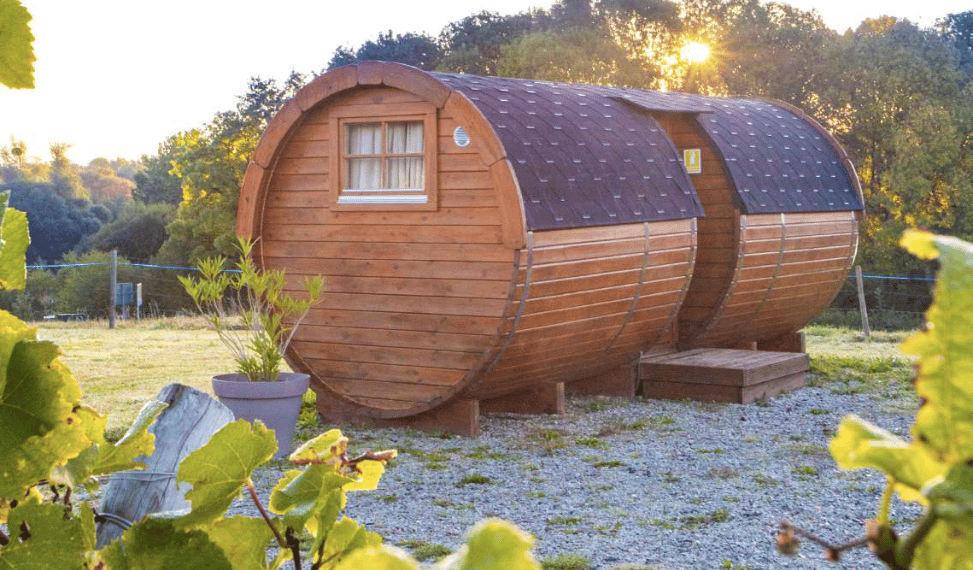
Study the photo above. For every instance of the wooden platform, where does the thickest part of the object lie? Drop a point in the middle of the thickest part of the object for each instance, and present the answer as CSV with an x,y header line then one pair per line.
x,y
721,375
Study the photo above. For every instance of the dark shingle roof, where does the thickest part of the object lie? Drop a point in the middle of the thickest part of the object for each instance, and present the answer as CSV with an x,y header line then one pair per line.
x,y
778,160
588,155
582,156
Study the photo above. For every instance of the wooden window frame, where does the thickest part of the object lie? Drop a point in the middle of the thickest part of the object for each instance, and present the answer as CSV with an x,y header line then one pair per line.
x,y
341,116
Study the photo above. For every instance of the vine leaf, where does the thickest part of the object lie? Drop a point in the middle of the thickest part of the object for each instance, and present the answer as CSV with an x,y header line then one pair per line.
x,y
39,429
157,544
244,541
219,469
104,457
345,537
859,444
385,558
56,540
307,498
944,424
15,238
493,543
137,441
327,447
16,52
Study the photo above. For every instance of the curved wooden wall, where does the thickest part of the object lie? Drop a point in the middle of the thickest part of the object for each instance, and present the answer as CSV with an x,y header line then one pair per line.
x,y
588,300
788,269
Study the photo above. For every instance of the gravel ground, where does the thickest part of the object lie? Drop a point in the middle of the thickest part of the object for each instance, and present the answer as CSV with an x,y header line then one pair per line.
x,y
665,484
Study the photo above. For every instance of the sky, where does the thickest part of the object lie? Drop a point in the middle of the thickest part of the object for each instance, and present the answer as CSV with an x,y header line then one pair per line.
x,y
114,78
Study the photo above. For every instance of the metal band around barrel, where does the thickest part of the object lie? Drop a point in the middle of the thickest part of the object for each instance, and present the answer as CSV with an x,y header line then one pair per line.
x,y
638,289
523,302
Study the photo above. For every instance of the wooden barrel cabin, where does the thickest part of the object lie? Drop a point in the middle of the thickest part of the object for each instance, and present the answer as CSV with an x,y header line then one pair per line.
x,y
783,204
483,238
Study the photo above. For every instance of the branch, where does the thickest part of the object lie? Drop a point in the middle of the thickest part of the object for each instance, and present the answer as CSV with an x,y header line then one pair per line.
x,y
833,551
905,551
263,512
295,546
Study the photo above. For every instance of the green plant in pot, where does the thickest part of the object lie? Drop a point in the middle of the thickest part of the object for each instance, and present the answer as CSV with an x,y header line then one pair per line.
x,y
256,319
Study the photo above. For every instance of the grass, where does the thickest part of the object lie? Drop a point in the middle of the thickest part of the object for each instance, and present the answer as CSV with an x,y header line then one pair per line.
x,y
475,479
424,551
566,562
120,369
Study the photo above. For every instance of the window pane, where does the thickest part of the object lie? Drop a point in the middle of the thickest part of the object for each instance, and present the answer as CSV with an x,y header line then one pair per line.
x,y
364,173
364,138
405,137
406,173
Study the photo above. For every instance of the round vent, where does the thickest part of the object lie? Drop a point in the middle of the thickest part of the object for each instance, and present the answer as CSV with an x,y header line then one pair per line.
x,y
460,137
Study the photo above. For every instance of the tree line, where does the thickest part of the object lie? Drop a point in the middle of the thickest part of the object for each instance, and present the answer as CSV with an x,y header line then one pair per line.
x,y
899,97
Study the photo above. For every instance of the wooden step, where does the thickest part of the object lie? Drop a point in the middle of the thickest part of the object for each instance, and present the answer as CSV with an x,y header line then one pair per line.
x,y
721,374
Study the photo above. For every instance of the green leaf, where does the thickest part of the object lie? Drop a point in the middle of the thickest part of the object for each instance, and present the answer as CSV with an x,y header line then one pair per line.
x,y
385,558
218,470
156,544
56,539
493,543
946,547
136,441
16,50
944,424
38,428
15,239
860,444
306,498
104,457
952,497
345,537
244,541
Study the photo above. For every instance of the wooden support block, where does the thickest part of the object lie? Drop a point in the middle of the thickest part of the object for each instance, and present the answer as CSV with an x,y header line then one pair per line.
x,y
790,342
621,382
544,398
460,417
722,375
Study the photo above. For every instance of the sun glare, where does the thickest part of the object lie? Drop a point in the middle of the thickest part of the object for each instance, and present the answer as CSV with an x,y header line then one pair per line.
x,y
695,52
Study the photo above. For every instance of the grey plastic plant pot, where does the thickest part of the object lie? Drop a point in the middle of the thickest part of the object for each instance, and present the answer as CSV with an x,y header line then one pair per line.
x,y
276,404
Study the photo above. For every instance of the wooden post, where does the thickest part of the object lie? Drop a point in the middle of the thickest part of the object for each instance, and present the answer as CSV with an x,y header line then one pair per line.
x,y
113,284
861,301
190,420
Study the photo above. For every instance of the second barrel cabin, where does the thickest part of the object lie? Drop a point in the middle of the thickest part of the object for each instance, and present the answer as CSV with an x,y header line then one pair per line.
x,y
482,237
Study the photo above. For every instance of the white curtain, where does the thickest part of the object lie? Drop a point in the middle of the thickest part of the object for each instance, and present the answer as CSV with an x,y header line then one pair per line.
x,y
364,173
402,172
405,172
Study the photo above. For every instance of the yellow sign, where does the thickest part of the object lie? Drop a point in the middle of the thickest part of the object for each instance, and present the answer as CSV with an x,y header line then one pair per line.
x,y
692,159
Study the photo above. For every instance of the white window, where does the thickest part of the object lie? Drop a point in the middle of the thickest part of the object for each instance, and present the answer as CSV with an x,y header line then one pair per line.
x,y
386,162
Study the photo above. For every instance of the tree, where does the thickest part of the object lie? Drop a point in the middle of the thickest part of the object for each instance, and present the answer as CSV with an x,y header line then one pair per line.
x,y
64,175
155,183
959,29
474,44
411,49
209,164
17,164
900,104
578,55
57,224
138,232
102,184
